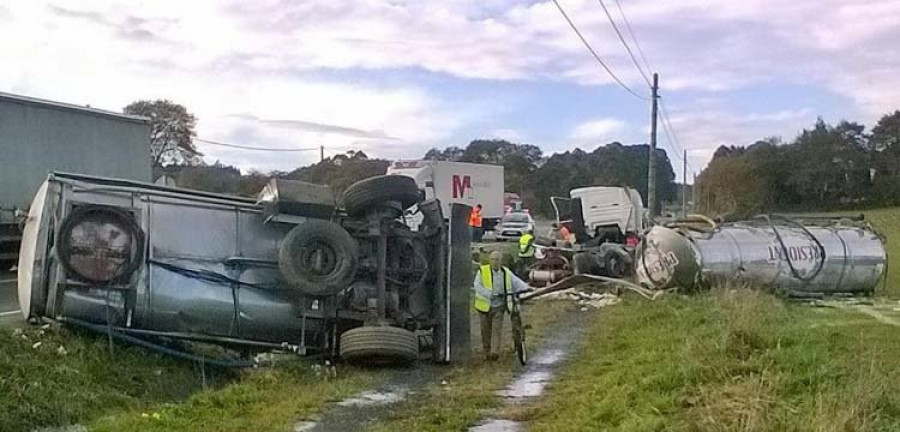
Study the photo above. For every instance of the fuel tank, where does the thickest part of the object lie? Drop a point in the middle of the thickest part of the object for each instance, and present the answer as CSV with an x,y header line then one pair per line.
x,y
797,257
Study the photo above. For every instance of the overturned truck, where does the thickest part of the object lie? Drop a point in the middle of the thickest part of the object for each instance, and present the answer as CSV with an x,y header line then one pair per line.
x,y
799,256
294,271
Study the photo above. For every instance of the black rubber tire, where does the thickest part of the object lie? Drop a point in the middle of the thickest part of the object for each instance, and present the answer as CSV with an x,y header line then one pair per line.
x,y
379,346
333,250
364,194
585,263
614,265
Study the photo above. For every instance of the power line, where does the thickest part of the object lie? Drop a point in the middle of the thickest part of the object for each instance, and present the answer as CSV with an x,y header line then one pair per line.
x,y
667,125
594,53
242,147
633,37
625,44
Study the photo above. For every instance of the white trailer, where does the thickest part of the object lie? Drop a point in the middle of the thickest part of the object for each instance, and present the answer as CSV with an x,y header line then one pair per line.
x,y
458,182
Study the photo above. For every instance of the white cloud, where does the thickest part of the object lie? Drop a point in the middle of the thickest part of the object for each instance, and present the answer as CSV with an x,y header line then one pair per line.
x,y
256,57
509,134
598,131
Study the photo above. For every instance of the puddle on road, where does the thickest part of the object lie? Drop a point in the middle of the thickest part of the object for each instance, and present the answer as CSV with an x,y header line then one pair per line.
x,y
530,384
495,425
549,357
374,398
304,426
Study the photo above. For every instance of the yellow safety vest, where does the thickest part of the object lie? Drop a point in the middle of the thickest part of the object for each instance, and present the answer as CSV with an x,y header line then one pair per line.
x,y
526,246
482,303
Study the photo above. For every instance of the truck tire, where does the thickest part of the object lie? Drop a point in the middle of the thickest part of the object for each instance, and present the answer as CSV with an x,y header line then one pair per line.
x,y
379,346
615,265
364,194
318,258
585,263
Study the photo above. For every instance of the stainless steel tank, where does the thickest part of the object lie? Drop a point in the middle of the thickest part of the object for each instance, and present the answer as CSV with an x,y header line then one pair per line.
x,y
828,257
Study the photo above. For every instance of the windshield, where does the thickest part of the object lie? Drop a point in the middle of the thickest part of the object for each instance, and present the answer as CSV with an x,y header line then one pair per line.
x,y
516,218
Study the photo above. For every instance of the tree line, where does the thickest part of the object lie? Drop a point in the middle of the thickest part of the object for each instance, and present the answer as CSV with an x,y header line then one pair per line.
x,y
825,167
528,172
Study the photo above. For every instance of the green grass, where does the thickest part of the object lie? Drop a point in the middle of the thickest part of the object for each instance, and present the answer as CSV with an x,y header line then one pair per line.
x,y
54,377
887,222
469,389
273,399
730,360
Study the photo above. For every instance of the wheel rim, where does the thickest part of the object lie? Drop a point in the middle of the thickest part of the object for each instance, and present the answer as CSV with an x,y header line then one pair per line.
x,y
320,259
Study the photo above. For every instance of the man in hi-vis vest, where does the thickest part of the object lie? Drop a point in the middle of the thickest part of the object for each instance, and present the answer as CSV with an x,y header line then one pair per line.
x,y
492,282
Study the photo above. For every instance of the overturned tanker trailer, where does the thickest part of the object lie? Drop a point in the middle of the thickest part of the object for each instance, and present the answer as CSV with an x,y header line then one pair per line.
x,y
294,271
797,256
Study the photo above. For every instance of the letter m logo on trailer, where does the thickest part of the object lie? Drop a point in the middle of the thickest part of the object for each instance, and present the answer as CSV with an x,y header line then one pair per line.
x,y
461,184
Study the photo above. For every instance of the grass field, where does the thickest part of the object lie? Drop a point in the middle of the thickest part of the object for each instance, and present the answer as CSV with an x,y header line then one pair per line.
x,y
728,360
887,221
52,377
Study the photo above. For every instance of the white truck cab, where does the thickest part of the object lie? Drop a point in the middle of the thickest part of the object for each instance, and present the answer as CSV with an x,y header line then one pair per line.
x,y
611,212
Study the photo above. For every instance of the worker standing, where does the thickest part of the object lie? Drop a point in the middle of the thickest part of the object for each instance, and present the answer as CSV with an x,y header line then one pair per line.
x,y
492,283
526,253
561,234
475,221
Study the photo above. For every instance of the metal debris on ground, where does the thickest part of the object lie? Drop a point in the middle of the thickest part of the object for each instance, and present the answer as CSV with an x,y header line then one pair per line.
x,y
585,299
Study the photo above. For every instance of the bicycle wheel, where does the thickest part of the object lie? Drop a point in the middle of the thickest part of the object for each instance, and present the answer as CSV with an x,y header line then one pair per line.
x,y
518,331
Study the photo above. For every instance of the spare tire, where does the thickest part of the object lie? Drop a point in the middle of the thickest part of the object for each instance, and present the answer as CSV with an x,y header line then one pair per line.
x,y
364,194
318,258
379,346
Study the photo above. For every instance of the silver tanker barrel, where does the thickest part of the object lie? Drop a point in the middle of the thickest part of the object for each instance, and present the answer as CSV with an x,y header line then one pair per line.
x,y
816,256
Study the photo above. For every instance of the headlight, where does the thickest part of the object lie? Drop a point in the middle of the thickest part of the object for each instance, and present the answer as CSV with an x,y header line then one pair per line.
x,y
100,244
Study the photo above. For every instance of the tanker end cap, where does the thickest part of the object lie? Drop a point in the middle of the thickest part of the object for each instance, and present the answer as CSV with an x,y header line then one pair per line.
x,y
666,258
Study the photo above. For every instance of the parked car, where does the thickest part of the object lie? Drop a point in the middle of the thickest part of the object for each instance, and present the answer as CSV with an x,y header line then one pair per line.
x,y
513,225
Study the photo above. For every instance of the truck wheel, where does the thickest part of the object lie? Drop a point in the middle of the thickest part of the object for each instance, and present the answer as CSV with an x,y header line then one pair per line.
x,y
615,265
318,258
364,194
379,346
585,263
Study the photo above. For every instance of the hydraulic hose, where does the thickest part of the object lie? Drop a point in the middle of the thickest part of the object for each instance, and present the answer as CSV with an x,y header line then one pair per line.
x,y
102,329
819,265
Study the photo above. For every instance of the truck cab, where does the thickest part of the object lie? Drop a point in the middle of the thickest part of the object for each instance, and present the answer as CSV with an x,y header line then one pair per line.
x,y
604,213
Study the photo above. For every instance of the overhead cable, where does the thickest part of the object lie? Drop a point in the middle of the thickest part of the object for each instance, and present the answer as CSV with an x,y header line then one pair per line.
x,y
625,44
243,147
595,55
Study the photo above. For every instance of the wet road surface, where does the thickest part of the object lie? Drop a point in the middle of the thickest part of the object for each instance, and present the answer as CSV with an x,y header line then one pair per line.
x,y
544,364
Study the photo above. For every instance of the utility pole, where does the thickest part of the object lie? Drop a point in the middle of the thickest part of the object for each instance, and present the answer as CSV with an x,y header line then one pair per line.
x,y
684,187
651,167
695,196
321,153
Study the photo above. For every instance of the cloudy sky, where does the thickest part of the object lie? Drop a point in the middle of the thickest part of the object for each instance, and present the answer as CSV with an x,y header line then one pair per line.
x,y
396,77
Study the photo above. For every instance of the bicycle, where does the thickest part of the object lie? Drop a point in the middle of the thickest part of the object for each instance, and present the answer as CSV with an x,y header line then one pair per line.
x,y
518,329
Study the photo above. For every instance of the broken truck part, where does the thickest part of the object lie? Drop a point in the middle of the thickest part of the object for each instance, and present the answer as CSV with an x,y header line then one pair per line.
x,y
806,256
294,271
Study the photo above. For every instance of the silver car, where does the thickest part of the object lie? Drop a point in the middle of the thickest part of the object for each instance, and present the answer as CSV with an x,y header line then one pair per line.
x,y
513,225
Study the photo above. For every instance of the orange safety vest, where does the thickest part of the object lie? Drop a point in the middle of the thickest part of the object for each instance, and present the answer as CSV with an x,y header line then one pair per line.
x,y
475,218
